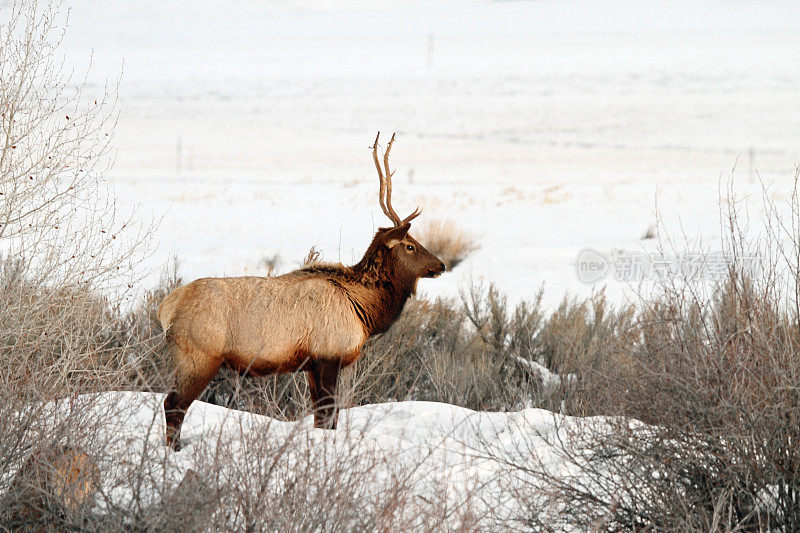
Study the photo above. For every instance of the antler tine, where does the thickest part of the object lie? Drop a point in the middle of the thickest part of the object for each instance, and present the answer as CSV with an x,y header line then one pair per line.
x,y
417,212
394,216
382,178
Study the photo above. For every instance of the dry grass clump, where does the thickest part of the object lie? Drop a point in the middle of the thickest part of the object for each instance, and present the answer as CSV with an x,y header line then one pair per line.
x,y
447,242
313,257
650,233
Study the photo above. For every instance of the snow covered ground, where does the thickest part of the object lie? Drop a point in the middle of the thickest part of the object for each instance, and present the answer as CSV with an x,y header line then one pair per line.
x,y
543,128
439,451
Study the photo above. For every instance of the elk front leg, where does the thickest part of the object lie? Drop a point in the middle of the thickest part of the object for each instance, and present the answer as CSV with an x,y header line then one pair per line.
x,y
322,379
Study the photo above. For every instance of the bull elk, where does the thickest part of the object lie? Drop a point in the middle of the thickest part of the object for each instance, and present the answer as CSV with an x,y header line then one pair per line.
x,y
315,319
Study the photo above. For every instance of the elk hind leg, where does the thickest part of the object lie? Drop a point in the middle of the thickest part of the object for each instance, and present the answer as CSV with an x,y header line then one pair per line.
x,y
193,371
322,380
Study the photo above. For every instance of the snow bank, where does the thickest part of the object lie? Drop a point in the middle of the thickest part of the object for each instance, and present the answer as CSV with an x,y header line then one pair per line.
x,y
440,451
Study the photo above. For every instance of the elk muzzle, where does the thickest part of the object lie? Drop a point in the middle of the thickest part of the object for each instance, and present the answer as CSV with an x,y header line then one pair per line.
x,y
437,271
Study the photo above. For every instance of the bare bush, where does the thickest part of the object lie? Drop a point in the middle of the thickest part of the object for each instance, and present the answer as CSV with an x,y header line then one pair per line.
x,y
65,264
49,473
713,381
58,481
56,215
61,241
447,242
149,367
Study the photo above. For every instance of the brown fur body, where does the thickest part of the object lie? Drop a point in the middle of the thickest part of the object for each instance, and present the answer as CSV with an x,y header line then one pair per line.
x,y
264,325
315,319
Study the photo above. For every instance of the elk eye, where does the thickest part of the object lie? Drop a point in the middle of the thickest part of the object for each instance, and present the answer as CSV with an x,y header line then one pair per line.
x,y
410,247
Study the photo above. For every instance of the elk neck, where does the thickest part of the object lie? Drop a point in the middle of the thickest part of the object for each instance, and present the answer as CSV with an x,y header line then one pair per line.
x,y
378,293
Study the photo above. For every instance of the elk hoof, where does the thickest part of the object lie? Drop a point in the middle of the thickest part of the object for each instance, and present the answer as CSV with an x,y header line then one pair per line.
x,y
325,424
174,444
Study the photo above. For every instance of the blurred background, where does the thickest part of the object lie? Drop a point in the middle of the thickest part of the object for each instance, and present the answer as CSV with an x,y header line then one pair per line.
x,y
531,130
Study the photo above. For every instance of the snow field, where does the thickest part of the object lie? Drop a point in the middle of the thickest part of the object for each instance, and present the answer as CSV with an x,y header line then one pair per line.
x,y
542,128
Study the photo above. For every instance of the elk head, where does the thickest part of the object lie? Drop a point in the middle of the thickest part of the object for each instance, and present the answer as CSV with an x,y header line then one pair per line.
x,y
407,258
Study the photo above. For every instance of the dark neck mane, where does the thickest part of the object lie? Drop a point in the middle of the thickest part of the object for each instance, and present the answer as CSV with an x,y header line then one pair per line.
x,y
377,296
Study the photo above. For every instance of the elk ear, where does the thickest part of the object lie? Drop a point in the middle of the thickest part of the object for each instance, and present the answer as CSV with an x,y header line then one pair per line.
x,y
394,235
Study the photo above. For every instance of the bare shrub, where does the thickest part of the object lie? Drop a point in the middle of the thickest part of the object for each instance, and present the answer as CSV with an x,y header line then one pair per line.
x,y
65,264
252,475
56,215
49,473
586,340
307,489
61,241
485,355
43,326
447,242
60,480
459,353
713,377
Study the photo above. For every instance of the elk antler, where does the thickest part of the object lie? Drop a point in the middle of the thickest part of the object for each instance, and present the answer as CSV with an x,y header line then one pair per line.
x,y
385,192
